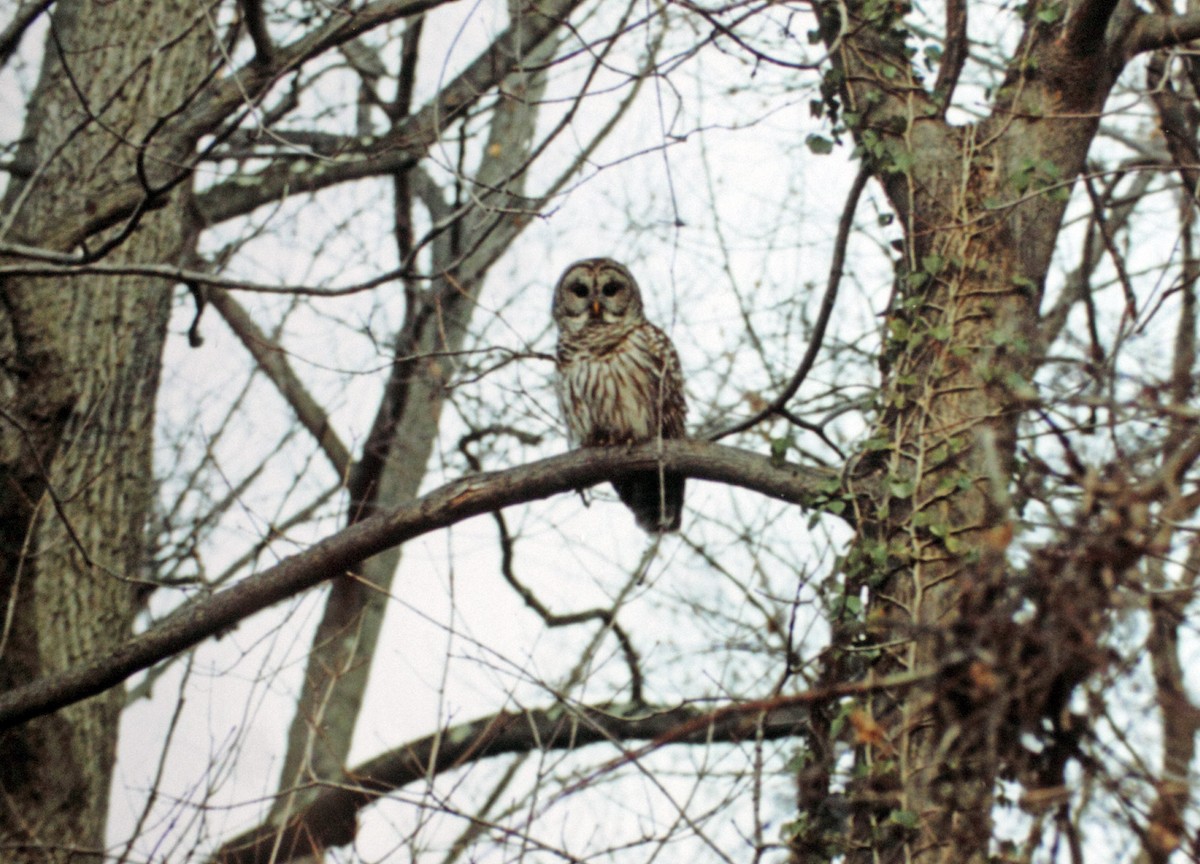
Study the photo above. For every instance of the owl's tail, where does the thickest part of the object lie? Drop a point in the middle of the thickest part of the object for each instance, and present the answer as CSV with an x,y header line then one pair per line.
x,y
656,500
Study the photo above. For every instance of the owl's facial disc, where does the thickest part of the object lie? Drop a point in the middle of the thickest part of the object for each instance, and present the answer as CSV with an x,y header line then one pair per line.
x,y
595,292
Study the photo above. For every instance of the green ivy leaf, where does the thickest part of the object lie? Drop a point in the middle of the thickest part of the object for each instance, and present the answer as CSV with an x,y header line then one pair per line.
x,y
819,144
1050,14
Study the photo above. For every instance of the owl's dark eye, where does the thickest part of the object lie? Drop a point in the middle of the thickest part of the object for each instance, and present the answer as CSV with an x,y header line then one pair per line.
x,y
578,289
610,289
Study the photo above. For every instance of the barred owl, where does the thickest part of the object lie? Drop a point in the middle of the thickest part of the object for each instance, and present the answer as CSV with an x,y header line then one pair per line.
x,y
619,380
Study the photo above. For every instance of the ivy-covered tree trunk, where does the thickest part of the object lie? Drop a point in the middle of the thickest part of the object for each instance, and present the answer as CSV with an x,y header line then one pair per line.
x,y
79,367
981,206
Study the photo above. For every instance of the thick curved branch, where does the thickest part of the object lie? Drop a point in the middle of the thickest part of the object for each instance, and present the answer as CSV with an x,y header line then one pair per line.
x,y
1151,32
331,820
452,503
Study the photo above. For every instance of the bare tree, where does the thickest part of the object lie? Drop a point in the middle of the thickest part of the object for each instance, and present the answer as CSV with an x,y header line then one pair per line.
x,y
970,369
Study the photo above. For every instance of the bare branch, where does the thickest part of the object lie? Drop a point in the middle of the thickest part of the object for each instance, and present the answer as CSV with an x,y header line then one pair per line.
x,y
243,88
1077,283
10,38
954,55
331,819
1177,129
1150,32
256,26
59,264
1110,246
452,503
405,143
273,363
818,335
1179,717
255,79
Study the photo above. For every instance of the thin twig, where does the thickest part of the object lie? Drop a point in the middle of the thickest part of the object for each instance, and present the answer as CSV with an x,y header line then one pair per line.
x,y
827,303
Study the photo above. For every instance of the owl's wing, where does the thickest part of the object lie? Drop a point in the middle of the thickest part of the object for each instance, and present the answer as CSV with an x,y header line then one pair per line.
x,y
670,384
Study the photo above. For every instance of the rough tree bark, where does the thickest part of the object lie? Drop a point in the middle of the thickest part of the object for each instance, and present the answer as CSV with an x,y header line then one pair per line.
x,y
79,366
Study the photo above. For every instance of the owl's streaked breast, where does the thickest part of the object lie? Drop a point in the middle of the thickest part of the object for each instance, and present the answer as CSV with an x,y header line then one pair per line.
x,y
608,385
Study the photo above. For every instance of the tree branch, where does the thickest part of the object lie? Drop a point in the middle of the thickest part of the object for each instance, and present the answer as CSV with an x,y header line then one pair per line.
x,y
172,142
331,820
1083,35
256,26
25,15
450,504
954,55
52,264
818,334
274,365
252,80
1150,32
1178,131
1077,283
405,143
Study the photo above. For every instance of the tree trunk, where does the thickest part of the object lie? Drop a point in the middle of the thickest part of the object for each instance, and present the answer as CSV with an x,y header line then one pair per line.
x,y
404,434
981,207
79,368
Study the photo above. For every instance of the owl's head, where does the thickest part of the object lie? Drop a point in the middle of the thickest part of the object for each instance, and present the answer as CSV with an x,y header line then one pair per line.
x,y
596,291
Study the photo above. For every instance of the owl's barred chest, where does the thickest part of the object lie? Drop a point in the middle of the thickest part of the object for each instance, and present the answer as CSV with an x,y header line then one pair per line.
x,y
608,388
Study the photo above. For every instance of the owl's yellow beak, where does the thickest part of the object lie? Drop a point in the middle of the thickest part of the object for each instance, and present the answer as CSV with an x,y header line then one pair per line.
x,y
595,308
